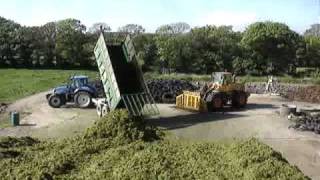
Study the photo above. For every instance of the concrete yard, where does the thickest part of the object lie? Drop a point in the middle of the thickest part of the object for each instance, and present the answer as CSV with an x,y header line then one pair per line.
x,y
260,119
41,121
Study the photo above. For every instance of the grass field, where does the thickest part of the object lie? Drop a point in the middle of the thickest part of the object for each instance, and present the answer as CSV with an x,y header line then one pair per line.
x,y
18,83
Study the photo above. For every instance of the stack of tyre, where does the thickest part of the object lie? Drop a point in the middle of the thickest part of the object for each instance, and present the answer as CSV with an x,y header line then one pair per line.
x,y
3,107
306,122
166,91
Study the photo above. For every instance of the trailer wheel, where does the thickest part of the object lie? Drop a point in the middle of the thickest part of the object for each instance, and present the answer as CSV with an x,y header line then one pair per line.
x,y
55,101
83,99
99,110
105,110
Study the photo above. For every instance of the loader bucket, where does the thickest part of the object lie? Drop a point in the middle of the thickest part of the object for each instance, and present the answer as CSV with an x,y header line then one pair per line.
x,y
191,101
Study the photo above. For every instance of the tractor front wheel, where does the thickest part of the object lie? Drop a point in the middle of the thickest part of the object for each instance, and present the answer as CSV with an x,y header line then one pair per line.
x,y
56,101
82,99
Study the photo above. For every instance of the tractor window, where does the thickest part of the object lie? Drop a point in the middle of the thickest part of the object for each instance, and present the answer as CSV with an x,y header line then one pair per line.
x,y
84,81
80,82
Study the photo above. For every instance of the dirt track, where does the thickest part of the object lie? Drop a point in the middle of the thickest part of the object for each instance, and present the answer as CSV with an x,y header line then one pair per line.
x,y
259,119
40,120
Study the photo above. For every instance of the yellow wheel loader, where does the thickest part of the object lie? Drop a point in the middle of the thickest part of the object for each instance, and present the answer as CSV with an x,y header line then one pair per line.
x,y
215,95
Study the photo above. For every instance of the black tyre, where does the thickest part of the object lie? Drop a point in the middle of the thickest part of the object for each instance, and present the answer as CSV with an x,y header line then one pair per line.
x,y
83,99
56,101
239,99
214,101
168,97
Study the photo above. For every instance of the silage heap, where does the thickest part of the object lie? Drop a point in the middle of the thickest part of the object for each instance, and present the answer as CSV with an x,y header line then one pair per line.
x,y
119,147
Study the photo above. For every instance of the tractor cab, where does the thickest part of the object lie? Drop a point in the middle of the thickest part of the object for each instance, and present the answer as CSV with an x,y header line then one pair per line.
x,y
78,81
222,78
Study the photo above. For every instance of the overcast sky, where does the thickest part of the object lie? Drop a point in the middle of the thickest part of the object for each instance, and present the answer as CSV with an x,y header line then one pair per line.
x,y
298,14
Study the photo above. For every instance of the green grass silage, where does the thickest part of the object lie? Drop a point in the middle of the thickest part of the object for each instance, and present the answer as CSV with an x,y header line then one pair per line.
x,y
119,147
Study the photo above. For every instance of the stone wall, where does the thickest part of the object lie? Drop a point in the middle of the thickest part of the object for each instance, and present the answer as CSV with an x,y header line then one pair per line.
x,y
3,107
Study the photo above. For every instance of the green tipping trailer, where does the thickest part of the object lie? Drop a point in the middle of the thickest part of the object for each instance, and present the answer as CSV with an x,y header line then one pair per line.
x,y
122,79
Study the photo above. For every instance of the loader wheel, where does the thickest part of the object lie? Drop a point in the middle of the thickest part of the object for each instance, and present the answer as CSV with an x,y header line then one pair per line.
x,y
168,97
239,100
82,99
214,102
217,102
55,101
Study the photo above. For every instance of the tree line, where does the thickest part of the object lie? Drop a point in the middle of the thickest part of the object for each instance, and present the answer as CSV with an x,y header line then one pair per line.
x,y
263,48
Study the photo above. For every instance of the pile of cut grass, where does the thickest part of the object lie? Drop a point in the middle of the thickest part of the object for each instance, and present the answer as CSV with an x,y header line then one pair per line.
x,y
119,147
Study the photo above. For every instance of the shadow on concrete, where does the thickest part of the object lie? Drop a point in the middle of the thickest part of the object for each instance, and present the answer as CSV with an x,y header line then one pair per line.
x,y
250,106
74,106
26,125
253,106
183,121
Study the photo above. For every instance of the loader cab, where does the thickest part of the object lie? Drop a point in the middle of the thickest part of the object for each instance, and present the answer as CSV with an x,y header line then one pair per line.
x,y
222,78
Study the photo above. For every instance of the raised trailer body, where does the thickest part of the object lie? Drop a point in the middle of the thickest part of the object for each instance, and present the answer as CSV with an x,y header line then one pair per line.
x,y
122,79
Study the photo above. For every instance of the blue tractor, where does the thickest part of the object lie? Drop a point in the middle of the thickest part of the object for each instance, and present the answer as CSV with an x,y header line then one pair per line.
x,y
78,90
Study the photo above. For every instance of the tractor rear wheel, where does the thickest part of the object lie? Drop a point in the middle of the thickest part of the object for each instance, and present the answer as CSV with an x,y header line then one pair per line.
x,y
83,99
56,101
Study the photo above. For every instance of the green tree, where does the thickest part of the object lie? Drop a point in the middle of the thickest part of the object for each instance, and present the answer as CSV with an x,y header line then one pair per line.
x,y
70,39
146,50
166,51
273,46
27,40
132,29
174,28
214,48
312,52
96,28
49,35
8,42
